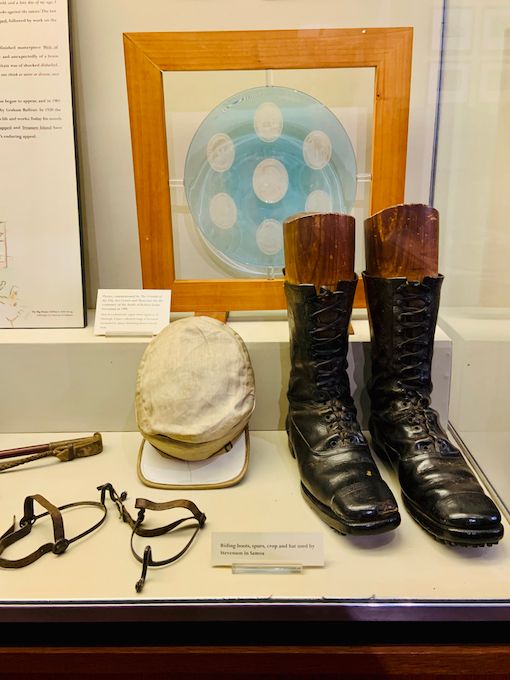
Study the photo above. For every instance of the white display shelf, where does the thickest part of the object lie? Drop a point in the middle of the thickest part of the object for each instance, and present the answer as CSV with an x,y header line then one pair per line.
x,y
478,405
71,380
61,383
403,574
481,366
489,453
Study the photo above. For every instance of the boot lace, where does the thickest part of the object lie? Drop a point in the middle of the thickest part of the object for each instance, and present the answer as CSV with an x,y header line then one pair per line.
x,y
414,302
329,327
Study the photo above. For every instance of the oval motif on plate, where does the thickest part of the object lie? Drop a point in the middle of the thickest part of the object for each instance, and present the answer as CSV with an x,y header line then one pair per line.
x,y
319,201
268,122
220,152
223,211
317,149
269,237
270,180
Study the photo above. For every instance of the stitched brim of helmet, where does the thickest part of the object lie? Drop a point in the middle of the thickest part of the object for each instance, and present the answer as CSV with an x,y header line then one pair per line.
x,y
221,470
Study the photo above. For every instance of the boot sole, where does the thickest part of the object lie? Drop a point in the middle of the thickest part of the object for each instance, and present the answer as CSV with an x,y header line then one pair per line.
x,y
466,538
343,527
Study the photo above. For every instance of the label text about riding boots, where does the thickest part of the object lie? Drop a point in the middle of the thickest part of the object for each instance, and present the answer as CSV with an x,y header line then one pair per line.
x,y
230,548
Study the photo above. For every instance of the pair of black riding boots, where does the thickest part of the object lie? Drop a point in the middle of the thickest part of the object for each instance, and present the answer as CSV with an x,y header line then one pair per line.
x,y
339,478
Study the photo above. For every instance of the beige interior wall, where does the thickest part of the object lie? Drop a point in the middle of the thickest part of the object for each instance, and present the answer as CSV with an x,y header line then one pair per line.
x,y
106,175
473,171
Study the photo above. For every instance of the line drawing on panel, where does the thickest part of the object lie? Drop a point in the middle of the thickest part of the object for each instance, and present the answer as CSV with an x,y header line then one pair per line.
x,y
3,245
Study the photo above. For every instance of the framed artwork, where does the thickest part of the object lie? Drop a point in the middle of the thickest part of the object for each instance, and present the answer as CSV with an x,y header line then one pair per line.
x,y
148,55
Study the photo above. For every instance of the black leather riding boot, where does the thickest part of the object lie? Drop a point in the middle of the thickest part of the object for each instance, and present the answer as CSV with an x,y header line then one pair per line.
x,y
339,478
438,488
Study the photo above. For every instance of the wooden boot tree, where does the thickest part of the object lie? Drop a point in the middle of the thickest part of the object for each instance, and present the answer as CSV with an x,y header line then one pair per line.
x,y
403,241
319,249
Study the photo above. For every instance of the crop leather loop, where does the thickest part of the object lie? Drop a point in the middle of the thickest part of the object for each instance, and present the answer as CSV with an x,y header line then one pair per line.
x,y
64,451
60,544
143,504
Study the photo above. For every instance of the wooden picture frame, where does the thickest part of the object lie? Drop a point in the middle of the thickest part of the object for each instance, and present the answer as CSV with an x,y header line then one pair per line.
x,y
148,55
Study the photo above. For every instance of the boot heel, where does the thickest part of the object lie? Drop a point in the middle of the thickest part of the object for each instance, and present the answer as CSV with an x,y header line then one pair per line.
x,y
381,452
291,449
287,429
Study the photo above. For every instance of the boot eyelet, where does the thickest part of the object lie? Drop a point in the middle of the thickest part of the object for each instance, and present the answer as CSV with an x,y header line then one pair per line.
x,y
424,445
444,446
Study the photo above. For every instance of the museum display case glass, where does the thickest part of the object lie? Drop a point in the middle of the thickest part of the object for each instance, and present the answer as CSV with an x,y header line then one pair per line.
x,y
193,109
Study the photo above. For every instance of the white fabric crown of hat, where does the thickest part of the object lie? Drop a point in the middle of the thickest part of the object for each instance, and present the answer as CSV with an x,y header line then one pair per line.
x,y
195,389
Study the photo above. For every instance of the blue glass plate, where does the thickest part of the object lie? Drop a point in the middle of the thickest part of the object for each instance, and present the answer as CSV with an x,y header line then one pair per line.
x,y
260,156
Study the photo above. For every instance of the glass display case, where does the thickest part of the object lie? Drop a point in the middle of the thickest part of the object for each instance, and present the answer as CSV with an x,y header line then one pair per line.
x,y
379,604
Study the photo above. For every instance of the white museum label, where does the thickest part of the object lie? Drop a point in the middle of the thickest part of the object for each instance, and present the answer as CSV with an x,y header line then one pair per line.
x,y
131,312
252,547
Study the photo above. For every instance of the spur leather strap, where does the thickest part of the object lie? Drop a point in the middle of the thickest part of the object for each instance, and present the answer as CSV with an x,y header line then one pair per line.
x,y
60,544
143,504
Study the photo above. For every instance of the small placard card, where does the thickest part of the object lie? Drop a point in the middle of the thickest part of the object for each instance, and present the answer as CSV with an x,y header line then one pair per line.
x,y
131,312
229,548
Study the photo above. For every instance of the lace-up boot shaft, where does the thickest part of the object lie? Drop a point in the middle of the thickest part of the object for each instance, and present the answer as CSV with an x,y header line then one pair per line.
x,y
339,478
318,327
438,487
403,316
